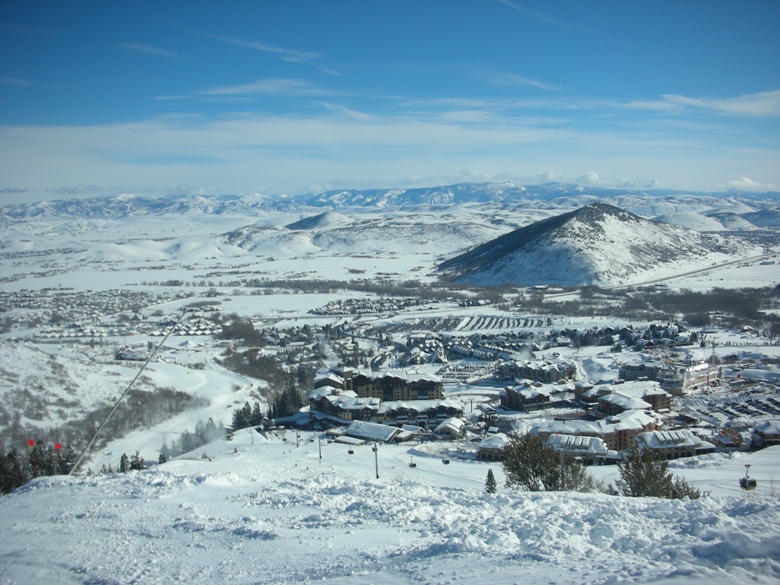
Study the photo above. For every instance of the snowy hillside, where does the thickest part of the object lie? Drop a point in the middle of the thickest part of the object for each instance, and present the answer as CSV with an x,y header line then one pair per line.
x,y
337,233
597,244
269,512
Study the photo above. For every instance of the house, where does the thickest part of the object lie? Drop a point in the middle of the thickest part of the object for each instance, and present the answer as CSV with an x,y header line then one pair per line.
x,y
674,444
372,432
451,428
766,433
525,397
492,448
330,380
634,395
588,450
617,402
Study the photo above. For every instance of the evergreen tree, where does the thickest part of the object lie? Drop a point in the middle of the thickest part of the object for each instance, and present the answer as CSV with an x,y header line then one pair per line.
x,y
66,459
643,472
490,483
256,418
137,462
531,464
163,458
242,416
42,461
124,464
12,472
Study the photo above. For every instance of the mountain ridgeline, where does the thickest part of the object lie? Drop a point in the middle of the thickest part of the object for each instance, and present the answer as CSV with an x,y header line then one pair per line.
x,y
596,244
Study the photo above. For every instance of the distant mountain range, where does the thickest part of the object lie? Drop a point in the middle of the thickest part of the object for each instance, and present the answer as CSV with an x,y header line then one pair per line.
x,y
477,233
648,203
596,244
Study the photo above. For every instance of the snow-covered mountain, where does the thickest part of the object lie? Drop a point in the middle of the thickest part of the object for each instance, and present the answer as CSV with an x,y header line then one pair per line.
x,y
597,244
647,203
337,233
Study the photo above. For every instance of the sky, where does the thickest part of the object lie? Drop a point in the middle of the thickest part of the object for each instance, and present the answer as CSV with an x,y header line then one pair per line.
x,y
301,96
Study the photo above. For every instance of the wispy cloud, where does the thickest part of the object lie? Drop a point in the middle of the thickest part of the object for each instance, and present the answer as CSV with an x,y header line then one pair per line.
x,y
540,16
15,81
762,104
144,49
271,86
513,79
759,105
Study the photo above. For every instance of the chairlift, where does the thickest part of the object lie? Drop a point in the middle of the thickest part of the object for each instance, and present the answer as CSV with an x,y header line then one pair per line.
x,y
747,482
351,451
412,464
446,461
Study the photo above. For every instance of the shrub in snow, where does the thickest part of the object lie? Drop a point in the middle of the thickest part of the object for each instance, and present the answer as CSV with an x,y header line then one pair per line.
x,y
643,472
533,465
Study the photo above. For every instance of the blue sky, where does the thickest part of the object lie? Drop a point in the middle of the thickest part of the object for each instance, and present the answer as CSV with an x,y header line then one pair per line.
x,y
294,96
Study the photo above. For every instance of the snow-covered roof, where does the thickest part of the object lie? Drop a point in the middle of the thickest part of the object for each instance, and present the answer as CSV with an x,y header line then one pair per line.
x,y
638,388
585,445
371,431
769,427
669,439
624,401
450,426
496,441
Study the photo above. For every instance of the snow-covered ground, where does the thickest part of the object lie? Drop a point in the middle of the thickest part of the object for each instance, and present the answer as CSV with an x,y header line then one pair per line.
x,y
268,511
259,510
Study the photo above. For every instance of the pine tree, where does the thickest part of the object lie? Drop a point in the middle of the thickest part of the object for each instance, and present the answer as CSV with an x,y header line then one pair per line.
x,y
66,459
12,473
490,483
163,458
643,472
531,464
137,462
42,461
124,464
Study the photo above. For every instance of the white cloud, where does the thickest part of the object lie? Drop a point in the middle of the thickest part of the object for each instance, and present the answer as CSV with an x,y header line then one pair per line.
x,y
144,49
289,55
16,81
513,79
746,184
266,87
337,146
761,104
590,178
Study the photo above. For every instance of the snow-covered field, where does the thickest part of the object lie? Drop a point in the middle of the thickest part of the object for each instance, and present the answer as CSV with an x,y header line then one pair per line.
x,y
268,511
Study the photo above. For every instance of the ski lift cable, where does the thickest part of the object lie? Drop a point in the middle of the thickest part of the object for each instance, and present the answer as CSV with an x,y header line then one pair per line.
x,y
129,386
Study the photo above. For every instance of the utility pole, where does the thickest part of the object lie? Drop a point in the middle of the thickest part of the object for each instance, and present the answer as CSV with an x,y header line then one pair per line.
x,y
375,449
320,441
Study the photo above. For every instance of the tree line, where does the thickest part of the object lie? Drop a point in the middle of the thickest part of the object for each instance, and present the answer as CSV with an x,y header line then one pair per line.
x,y
41,460
531,464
